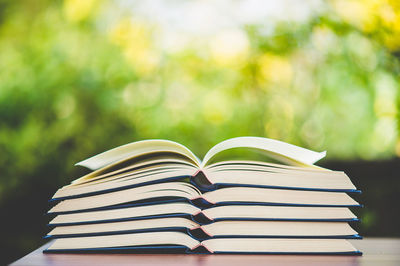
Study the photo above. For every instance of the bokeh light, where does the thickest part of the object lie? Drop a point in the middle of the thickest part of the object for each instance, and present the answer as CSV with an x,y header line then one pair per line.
x,y
80,77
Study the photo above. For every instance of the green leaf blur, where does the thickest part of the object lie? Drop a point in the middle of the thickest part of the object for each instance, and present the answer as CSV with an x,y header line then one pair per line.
x,y
81,77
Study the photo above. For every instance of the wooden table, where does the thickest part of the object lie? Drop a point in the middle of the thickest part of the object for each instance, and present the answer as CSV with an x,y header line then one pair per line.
x,y
377,251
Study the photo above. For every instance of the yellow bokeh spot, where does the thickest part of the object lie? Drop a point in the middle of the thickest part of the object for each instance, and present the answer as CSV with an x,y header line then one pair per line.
x,y
358,13
78,10
134,38
388,15
275,69
229,47
385,107
373,15
392,41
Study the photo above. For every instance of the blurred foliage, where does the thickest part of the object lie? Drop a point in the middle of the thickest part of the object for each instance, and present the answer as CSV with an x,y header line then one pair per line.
x,y
80,77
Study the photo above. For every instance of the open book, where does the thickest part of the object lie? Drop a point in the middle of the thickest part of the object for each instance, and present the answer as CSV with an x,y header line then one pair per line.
x,y
157,196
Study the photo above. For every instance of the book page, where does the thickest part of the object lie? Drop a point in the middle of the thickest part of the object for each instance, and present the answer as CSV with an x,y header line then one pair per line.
x,y
135,149
169,189
135,164
278,228
265,245
278,212
125,240
279,196
125,213
323,180
281,151
123,226
273,167
124,182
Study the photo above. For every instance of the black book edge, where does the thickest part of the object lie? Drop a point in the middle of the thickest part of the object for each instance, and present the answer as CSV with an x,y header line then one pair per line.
x,y
178,249
201,219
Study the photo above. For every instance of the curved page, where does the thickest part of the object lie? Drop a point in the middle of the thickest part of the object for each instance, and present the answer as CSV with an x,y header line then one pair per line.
x,y
278,150
126,240
136,149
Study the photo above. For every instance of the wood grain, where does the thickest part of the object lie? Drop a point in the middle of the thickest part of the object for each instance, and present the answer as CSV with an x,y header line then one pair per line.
x,y
377,251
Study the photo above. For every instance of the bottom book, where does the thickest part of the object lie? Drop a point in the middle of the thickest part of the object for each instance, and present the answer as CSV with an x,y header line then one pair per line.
x,y
179,242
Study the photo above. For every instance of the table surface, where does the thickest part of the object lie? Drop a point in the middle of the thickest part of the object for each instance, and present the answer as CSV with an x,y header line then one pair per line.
x,y
377,251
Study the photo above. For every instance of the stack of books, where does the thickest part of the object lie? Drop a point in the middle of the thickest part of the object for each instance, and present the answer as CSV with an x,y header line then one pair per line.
x,y
156,196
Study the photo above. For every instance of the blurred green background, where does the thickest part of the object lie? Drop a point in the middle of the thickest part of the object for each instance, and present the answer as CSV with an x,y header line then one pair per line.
x,y
79,77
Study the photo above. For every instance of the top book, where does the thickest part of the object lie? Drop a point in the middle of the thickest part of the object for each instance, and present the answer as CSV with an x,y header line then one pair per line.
x,y
156,161
154,194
